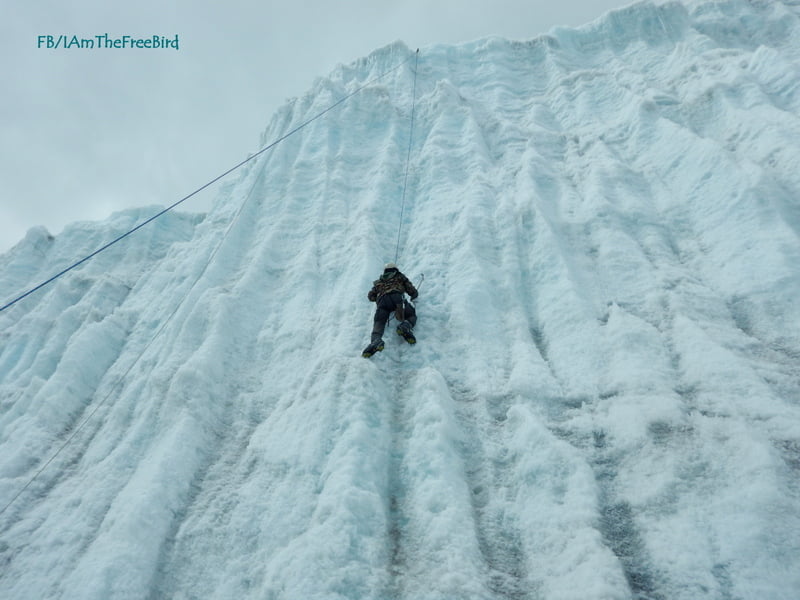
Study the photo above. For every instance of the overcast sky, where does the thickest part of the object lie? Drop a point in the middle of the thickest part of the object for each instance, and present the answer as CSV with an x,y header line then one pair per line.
x,y
89,132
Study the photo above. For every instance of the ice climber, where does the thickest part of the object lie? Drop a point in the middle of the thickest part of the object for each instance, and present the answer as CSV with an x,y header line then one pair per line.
x,y
387,293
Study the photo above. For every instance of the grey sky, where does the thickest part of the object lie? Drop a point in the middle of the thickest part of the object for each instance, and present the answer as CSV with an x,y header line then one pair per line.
x,y
89,132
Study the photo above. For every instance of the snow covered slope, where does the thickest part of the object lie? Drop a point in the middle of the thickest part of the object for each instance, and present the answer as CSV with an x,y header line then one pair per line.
x,y
604,402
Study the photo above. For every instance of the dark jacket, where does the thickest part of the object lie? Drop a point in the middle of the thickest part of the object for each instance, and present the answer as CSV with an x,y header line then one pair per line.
x,y
391,281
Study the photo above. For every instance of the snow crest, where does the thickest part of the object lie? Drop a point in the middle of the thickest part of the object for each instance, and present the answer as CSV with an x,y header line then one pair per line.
x,y
604,401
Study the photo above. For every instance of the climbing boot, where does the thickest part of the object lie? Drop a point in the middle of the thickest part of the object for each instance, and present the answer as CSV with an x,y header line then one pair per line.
x,y
376,346
404,330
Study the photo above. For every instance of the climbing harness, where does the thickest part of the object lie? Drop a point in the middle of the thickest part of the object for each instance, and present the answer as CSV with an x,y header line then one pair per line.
x,y
399,312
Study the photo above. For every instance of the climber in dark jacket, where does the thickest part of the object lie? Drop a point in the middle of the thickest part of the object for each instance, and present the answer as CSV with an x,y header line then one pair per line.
x,y
387,293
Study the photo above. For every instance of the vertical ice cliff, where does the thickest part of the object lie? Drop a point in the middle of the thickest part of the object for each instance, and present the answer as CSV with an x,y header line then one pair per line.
x,y
604,401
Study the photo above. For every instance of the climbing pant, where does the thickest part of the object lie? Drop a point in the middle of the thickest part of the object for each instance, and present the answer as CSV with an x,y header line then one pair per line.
x,y
388,304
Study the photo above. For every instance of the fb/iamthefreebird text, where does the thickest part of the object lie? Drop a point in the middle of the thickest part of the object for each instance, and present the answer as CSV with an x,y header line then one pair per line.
x,y
105,41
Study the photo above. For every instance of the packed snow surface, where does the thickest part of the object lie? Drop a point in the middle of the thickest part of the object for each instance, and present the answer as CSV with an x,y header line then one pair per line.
x,y
604,400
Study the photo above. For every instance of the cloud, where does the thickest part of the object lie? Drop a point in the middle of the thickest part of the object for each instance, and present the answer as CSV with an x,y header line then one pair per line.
x,y
87,132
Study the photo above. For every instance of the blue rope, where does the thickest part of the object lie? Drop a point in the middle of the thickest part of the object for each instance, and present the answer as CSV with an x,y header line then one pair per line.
x,y
163,326
124,376
408,157
201,188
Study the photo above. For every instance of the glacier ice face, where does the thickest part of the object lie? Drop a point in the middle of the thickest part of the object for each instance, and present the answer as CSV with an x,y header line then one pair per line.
x,y
604,399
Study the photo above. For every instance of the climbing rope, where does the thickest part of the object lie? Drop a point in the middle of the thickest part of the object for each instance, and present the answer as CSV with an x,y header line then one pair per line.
x,y
127,372
408,156
213,181
211,257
